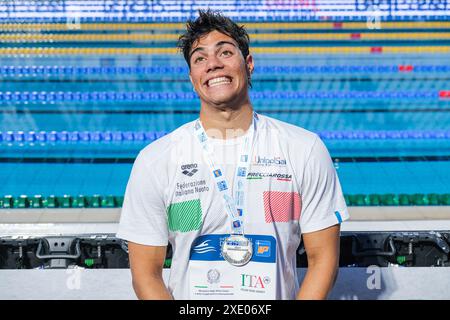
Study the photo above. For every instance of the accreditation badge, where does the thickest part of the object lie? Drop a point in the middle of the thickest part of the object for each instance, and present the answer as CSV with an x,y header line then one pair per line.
x,y
213,277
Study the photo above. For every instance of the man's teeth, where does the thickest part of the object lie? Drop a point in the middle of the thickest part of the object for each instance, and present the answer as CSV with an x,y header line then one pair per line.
x,y
218,81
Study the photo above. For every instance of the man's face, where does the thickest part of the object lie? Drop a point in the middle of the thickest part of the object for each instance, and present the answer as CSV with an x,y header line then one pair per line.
x,y
219,72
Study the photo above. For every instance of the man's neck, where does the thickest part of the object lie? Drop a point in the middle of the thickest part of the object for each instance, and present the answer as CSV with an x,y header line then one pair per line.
x,y
226,123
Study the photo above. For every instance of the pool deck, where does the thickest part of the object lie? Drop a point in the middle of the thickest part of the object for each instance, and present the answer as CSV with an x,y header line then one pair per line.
x,y
33,222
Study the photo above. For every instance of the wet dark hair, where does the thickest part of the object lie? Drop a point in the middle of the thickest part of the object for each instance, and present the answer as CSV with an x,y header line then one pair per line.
x,y
207,22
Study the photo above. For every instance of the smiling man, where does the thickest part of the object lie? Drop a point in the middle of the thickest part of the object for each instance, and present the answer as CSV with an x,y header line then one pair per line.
x,y
232,192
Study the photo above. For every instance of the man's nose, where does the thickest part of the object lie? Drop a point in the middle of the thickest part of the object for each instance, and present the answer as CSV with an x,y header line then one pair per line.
x,y
213,64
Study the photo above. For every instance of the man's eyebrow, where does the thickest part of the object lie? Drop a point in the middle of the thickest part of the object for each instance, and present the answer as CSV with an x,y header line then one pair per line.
x,y
218,44
195,50
221,43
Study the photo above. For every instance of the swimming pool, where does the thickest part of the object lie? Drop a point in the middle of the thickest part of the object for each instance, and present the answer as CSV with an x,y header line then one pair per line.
x,y
72,124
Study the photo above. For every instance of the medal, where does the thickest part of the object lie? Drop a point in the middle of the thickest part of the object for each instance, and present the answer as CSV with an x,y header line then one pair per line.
x,y
237,250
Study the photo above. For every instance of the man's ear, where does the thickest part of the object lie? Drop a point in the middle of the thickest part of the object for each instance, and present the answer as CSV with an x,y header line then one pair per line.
x,y
249,63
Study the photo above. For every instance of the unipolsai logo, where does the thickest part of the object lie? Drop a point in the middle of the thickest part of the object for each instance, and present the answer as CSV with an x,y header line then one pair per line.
x,y
269,161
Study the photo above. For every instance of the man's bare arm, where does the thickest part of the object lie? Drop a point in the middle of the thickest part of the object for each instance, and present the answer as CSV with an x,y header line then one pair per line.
x,y
146,263
322,250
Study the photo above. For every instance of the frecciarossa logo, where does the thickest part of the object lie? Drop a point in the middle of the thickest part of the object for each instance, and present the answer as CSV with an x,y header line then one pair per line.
x,y
261,175
269,161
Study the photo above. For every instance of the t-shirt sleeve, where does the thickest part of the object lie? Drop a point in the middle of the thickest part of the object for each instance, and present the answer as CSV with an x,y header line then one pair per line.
x,y
323,204
143,217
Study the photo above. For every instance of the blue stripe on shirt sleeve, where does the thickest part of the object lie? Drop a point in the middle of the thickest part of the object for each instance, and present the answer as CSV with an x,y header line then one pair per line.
x,y
338,216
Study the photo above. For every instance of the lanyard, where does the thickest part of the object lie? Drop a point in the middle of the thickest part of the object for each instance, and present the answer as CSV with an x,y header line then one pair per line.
x,y
233,206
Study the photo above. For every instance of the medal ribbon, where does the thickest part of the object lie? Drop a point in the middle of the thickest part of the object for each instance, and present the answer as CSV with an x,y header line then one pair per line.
x,y
234,206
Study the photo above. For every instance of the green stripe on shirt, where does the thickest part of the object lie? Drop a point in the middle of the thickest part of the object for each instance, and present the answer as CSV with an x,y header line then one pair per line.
x,y
185,216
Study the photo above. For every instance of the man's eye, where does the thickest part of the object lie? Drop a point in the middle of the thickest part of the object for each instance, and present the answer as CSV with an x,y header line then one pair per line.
x,y
198,59
227,53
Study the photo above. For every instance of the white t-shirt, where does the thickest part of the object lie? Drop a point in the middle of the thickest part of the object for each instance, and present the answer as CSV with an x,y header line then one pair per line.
x,y
292,189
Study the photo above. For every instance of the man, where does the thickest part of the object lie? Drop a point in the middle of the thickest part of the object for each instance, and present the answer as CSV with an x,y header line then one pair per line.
x,y
232,192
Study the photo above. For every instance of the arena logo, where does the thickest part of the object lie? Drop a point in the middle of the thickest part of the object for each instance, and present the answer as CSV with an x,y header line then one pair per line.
x,y
189,169
264,161
253,281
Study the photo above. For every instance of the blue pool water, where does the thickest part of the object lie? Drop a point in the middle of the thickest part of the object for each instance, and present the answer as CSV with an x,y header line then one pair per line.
x,y
88,179
330,93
